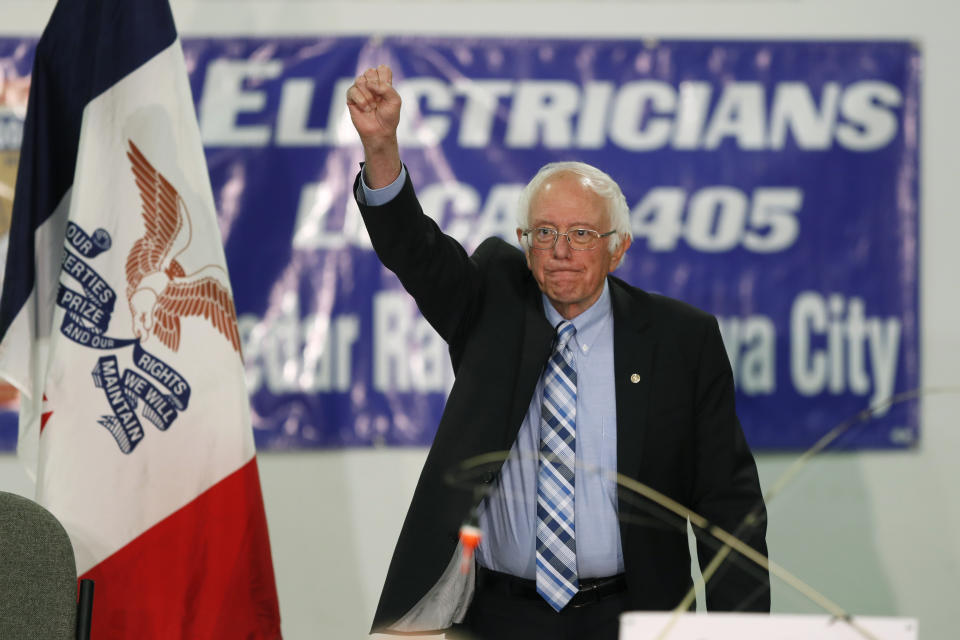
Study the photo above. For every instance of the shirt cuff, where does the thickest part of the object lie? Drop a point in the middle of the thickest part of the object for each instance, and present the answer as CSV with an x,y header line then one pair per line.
x,y
377,197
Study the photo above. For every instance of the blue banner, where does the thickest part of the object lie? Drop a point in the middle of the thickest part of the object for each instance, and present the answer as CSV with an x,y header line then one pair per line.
x,y
773,184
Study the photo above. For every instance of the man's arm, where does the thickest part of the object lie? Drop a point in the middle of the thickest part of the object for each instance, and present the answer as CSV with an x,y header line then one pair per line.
x,y
432,266
374,107
727,488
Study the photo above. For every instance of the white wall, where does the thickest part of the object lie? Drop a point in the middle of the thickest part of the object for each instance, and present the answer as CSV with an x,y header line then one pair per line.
x,y
877,532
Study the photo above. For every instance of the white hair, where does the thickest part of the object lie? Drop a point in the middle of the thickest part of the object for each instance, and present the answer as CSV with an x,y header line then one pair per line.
x,y
597,181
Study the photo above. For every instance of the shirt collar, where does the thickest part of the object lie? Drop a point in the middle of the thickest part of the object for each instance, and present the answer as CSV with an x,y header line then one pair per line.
x,y
590,322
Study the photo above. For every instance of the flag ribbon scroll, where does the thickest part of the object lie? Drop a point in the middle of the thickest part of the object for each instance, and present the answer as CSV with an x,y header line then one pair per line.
x,y
117,323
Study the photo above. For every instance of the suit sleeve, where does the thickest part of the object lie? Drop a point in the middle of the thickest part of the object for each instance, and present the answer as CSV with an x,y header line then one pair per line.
x,y
433,267
726,487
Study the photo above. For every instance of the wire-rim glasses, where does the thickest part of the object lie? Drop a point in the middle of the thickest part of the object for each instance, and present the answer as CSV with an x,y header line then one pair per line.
x,y
545,238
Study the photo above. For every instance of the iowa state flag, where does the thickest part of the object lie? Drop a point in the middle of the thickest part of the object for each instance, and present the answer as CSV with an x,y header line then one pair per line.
x,y
118,326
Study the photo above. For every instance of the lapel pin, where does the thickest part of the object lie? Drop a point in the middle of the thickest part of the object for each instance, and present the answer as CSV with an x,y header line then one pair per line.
x,y
635,378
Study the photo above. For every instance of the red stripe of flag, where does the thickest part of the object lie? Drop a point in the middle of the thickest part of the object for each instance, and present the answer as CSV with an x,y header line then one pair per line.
x,y
203,572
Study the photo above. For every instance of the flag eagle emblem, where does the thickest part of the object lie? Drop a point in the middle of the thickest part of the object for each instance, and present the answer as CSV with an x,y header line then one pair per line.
x,y
159,291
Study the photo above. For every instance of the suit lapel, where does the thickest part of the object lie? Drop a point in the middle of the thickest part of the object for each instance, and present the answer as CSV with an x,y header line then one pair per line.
x,y
537,340
634,351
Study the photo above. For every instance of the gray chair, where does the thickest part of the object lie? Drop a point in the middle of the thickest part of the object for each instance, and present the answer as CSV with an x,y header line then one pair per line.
x,y
38,574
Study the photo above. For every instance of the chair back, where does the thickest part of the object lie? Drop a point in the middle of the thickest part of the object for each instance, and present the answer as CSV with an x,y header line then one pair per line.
x,y
38,573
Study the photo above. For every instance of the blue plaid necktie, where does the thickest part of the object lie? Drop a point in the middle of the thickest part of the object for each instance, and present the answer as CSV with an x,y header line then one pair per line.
x,y
556,547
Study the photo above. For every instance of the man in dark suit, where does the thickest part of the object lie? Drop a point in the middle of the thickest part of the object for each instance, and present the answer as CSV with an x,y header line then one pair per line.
x,y
579,376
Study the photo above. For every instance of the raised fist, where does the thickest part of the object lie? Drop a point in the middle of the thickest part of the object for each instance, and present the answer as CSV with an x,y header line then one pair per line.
x,y
374,105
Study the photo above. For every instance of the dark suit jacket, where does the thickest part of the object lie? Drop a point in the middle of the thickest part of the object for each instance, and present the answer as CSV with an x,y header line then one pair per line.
x,y
677,430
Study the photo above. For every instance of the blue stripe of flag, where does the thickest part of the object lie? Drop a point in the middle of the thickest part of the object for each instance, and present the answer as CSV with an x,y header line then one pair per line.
x,y
86,48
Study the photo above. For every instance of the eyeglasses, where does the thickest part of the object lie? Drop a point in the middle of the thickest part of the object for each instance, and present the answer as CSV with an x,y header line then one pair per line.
x,y
545,238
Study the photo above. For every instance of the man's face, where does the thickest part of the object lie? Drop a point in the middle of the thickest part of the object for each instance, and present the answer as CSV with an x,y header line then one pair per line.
x,y
572,280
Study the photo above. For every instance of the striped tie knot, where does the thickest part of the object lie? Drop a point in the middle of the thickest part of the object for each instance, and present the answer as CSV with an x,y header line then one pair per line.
x,y
565,332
